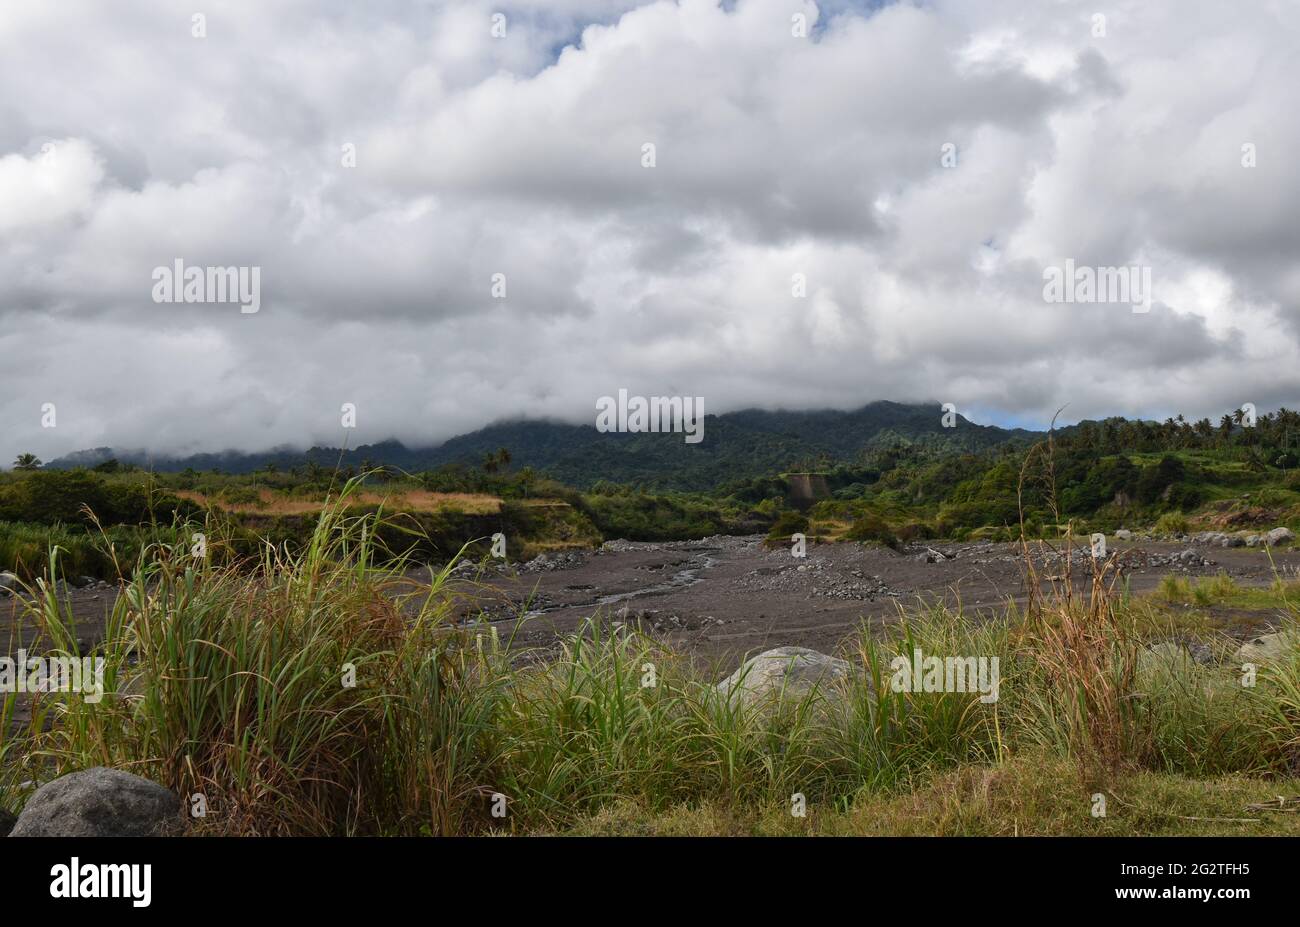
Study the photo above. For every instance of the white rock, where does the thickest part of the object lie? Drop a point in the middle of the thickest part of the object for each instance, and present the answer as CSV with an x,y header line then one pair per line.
x,y
785,673
1279,536
1268,648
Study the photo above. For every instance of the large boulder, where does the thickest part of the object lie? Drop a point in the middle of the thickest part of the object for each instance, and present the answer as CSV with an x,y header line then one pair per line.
x,y
786,673
1268,648
1168,655
99,802
1279,536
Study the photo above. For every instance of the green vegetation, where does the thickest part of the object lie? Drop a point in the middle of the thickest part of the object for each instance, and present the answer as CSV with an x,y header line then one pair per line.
x,y
234,663
240,686
102,518
900,487
787,524
868,526
1036,794
1101,476
887,473
25,549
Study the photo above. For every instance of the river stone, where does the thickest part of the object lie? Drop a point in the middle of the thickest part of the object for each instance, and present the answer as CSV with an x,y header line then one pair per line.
x,y
1169,655
1279,536
786,671
8,584
1267,648
99,802
7,822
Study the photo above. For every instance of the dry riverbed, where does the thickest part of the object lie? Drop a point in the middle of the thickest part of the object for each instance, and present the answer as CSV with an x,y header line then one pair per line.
x,y
721,597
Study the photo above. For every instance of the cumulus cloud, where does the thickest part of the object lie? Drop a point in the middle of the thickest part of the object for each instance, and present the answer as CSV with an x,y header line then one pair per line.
x,y
126,143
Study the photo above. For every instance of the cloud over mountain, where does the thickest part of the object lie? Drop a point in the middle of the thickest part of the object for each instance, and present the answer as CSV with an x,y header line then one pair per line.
x,y
126,143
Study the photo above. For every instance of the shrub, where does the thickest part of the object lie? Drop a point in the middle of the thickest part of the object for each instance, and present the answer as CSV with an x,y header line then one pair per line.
x,y
1174,588
1215,589
25,549
1172,523
50,497
869,527
241,495
788,523
915,531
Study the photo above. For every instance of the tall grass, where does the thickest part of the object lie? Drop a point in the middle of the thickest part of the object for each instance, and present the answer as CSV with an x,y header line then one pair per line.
x,y
230,683
309,693
322,690
25,549
615,715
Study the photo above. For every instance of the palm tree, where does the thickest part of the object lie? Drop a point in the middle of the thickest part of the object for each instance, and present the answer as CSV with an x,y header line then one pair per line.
x,y
1225,429
27,462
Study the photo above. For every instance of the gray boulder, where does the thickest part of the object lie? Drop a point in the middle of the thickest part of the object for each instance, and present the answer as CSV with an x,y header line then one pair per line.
x,y
1169,655
787,673
1123,534
1279,536
1268,648
100,802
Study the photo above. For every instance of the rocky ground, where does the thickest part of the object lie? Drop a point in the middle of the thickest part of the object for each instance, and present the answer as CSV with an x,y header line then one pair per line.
x,y
722,597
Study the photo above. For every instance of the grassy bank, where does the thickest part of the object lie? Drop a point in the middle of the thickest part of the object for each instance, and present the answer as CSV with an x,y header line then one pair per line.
x,y
1035,794
321,691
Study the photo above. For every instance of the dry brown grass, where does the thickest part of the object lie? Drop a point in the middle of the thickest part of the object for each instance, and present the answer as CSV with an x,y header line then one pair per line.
x,y
1088,655
417,500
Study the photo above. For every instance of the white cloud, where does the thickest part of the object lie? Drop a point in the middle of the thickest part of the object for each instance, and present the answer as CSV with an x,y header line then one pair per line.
x,y
522,155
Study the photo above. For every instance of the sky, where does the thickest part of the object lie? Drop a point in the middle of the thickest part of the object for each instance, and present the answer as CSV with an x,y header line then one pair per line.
x,y
455,218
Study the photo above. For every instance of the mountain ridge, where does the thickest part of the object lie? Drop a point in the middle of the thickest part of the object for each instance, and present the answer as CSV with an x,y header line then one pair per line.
x,y
737,445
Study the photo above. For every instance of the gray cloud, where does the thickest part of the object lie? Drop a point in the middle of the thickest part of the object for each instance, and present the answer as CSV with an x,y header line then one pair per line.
x,y
132,143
